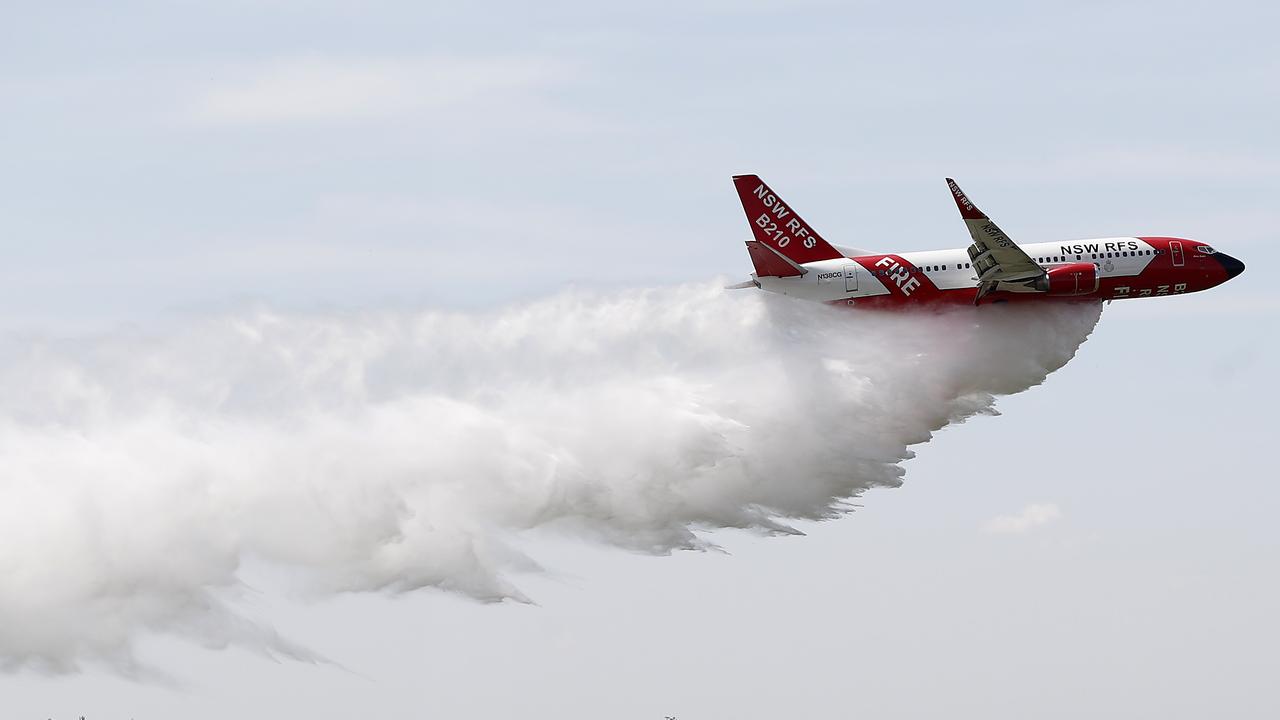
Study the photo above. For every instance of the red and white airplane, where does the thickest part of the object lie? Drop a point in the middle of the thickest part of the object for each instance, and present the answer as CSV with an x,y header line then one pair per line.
x,y
791,258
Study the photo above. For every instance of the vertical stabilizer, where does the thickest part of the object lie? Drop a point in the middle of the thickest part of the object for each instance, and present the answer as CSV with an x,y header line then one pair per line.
x,y
777,226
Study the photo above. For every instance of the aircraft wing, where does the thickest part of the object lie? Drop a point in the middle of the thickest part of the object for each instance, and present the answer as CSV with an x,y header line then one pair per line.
x,y
996,258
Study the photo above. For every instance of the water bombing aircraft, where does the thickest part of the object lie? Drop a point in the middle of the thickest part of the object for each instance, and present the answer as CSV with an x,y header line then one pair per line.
x,y
791,258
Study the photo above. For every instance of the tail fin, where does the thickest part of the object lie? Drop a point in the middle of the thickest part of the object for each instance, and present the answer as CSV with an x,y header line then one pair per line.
x,y
777,226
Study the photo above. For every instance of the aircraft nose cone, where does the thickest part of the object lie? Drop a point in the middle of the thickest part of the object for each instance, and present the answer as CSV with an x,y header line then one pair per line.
x,y
1233,266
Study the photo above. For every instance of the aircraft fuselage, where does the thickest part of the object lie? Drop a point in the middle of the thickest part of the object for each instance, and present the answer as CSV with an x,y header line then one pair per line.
x,y
1126,267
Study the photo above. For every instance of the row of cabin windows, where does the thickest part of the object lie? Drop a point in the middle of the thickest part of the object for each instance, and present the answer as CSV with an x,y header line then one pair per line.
x,y
1051,259
926,268
1098,256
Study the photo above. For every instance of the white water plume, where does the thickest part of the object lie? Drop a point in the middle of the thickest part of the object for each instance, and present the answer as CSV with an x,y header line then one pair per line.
x,y
394,451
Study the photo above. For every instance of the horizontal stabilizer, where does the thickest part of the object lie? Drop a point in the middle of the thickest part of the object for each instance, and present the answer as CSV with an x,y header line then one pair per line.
x,y
770,263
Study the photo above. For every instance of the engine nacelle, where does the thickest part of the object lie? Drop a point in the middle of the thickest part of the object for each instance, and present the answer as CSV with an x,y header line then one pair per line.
x,y
1072,279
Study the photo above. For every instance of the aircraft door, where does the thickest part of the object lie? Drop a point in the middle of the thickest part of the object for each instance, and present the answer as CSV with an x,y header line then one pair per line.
x,y
1175,250
850,278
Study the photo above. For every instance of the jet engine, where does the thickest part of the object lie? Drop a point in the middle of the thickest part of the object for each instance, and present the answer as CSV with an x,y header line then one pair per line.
x,y
1072,279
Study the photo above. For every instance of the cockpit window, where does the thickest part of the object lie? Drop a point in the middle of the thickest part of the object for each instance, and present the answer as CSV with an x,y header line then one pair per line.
x,y
1205,249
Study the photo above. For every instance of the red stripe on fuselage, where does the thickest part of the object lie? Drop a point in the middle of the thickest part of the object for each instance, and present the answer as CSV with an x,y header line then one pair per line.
x,y
906,282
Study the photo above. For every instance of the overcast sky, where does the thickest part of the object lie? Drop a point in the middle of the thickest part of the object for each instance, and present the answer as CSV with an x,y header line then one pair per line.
x,y
167,161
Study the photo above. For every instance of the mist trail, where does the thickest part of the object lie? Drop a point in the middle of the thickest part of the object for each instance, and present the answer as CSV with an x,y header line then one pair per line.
x,y
394,451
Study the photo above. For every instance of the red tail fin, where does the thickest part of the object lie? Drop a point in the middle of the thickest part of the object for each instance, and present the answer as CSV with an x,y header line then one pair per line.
x,y
777,225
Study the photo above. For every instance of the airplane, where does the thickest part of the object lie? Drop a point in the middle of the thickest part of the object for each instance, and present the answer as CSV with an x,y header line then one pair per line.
x,y
791,258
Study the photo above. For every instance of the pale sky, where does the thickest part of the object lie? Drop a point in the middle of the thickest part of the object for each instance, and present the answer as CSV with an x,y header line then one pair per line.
x,y
164,162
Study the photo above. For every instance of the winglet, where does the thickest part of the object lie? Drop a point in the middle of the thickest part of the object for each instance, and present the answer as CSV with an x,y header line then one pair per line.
x,y
968,210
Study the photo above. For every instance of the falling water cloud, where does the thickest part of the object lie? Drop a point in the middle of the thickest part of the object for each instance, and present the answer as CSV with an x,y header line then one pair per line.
x,y
403,450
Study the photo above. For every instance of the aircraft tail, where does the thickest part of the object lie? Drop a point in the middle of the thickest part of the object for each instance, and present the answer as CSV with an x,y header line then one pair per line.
x,y
778,229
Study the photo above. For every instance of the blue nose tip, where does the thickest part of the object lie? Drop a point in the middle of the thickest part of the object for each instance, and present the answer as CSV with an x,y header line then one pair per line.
x,y
1233,266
